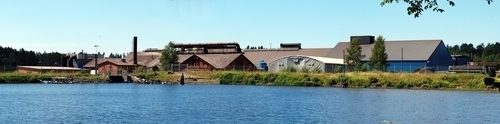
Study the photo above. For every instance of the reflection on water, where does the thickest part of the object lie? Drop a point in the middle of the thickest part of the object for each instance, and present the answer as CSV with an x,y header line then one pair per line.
x,y
129,103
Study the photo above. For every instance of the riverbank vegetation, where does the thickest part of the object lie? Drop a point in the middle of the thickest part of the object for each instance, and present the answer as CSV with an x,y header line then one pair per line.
x,y
361,80
14,77
160,75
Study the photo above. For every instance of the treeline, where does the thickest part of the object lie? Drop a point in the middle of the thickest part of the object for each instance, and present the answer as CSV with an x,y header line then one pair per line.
x,y
10,58
481,53
117,55
255,47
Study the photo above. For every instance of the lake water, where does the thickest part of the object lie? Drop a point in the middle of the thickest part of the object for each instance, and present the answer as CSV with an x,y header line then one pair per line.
x,y
132,103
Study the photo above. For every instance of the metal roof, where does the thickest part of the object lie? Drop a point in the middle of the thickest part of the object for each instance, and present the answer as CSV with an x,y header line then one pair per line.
x,y
50,68
219,61
413,50
317,58
328,60
256,56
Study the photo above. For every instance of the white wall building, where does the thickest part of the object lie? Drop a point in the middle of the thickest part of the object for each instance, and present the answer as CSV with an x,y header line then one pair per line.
x,y
301,61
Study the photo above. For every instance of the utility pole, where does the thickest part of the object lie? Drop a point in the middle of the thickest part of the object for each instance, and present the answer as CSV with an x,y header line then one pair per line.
x,y
401,59
96,56
343,58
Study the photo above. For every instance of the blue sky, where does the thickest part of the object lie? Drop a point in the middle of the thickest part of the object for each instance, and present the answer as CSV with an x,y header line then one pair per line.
x,y
75,25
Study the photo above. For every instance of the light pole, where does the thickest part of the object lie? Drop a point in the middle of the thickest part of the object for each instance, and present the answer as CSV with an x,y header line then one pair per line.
x,y
96,56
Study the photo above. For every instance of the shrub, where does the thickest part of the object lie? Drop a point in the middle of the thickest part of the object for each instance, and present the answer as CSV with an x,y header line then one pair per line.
x,y
488,81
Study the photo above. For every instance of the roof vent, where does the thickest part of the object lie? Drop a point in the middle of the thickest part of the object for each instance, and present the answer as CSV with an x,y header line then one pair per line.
x,y
290,45
365,40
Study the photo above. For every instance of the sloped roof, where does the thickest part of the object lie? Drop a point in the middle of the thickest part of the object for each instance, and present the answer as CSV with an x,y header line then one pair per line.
x,y
143,58
255,56
412,49
116,61
50,68
219,61
321,59
328,60
91,63
157,62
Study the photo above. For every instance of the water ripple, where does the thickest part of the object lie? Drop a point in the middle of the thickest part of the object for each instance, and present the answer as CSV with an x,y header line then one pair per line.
x,y
129,103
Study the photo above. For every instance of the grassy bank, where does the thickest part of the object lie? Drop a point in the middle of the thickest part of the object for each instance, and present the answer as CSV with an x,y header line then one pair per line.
x,y
14,77
205,77
362,79
161,75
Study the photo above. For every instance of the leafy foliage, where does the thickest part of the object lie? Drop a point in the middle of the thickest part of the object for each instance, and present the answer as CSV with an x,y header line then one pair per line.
x,y
10,58
481,53
378,60
116,55
353,58
416,7
169,55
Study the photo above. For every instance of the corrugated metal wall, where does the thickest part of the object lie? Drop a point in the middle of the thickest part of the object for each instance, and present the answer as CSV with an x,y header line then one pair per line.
x,y
441,59
406,66
462,60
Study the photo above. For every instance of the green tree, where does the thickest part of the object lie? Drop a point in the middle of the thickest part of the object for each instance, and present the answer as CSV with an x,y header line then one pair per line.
x,y
378,60
416,7
354,56
169,56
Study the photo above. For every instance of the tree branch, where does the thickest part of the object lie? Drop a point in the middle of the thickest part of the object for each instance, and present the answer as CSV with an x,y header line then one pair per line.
x,y
416,7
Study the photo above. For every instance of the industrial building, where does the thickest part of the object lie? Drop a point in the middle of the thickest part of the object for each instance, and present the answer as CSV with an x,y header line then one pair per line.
x,y
461,59
260,57
311,63
403,55
48,69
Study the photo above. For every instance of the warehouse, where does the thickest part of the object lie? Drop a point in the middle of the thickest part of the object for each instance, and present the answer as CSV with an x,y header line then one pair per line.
x,y
403,55
49,69
301,62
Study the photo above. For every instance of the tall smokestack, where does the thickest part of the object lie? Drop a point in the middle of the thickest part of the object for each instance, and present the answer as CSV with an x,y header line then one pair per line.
x,y
134,49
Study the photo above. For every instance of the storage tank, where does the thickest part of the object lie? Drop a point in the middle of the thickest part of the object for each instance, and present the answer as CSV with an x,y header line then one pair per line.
x,y
263,65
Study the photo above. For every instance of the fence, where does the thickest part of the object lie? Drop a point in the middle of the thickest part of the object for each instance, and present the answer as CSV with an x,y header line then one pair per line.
x,y
412,68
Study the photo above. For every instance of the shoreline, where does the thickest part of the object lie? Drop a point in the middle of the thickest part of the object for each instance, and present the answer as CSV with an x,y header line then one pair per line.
x,y
370,80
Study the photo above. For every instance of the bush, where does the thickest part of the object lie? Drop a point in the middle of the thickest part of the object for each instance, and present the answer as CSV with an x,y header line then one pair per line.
x,y
488,81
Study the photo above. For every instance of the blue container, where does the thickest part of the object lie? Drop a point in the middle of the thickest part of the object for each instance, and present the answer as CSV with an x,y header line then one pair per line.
x,y
263,65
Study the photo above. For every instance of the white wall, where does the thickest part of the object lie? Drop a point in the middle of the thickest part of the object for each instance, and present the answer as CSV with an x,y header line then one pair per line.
x,y
296,62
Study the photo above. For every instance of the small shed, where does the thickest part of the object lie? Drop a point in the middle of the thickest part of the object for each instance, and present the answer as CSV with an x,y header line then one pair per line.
x,y
303,62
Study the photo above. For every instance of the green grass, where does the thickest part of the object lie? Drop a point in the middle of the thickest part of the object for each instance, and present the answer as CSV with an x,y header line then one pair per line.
x,y
362,80
14,77
160,75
